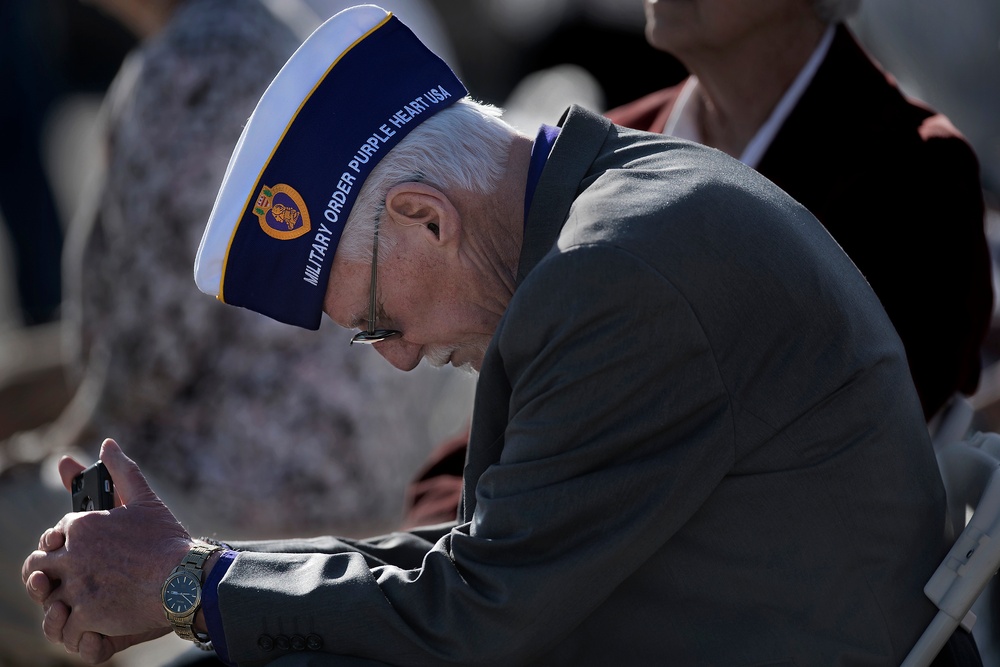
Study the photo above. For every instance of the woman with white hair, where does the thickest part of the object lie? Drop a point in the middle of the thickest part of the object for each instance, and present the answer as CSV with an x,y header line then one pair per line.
x,y
784,86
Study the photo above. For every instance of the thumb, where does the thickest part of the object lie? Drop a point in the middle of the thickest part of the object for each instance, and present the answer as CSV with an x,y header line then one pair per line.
x,y
68,469
130,484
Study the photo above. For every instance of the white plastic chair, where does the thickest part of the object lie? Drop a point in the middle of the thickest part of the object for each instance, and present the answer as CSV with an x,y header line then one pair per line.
x,y
952,422
970,469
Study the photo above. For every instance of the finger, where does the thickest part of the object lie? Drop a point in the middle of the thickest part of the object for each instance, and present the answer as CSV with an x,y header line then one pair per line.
x,y
37,560
38,586
129,481
54,622
52,539
95,648
71,629
29,565
68,469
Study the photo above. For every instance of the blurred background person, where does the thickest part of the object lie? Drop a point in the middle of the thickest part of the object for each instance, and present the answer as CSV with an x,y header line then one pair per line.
x,y
45,70
27,202
784,86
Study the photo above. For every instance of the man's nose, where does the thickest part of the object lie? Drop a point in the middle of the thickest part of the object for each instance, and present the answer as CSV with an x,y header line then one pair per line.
x,y
400,353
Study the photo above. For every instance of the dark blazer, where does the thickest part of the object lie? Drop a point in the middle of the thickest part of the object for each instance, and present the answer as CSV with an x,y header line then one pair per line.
x,y
899,188
694,442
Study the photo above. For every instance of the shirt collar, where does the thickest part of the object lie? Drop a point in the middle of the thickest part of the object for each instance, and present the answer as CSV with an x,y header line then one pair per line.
x,y
683,123
540,150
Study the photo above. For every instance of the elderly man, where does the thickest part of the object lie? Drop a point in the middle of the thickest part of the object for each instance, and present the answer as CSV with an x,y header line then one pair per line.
x,y
695,439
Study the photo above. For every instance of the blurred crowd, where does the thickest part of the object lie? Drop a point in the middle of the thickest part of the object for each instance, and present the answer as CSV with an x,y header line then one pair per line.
x,y
124,124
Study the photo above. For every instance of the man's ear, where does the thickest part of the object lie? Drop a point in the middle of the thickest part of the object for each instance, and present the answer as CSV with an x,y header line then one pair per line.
x,y
418,204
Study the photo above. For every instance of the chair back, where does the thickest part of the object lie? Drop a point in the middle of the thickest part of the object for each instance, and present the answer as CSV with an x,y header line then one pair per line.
x,y
970,470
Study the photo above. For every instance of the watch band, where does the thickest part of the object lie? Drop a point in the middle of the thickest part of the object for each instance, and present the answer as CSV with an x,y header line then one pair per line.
x,y
193,566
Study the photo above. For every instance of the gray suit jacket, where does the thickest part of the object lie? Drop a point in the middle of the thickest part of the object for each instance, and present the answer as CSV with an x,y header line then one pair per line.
x,y
695,442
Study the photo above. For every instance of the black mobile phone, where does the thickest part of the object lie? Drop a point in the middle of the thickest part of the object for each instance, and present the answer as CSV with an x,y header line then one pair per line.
x,y
93,489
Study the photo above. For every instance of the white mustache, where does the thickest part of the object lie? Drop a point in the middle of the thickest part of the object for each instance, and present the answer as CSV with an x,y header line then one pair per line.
x,y
438,356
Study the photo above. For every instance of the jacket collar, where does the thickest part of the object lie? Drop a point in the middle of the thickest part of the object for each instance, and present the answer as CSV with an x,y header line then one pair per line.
x,y
580,139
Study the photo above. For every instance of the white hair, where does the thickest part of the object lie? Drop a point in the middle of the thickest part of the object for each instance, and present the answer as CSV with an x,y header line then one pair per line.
x,y
835,11
463,147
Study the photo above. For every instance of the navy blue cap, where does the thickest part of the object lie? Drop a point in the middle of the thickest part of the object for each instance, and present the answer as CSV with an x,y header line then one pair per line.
x,y
350,93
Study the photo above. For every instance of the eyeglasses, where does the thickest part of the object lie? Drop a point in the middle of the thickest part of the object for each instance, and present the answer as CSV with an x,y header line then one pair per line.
x,y
373,335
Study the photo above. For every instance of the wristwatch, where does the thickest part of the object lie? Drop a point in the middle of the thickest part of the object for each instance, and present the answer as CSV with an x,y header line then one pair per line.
x,y
181,592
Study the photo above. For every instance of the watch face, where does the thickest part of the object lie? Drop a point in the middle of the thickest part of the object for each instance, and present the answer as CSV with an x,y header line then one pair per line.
x,y
182,593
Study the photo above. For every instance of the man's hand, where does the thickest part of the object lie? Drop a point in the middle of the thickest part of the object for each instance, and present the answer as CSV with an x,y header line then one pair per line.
x,y
98,574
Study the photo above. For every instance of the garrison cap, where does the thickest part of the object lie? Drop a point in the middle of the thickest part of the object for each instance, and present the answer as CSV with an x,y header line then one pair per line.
x,y
350,93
